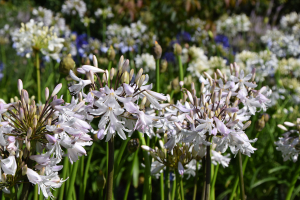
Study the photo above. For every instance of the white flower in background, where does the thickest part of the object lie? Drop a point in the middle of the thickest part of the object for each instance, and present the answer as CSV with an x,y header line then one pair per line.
x,y
195,23
218,158
43,15
74,6
34,36
230,26
145,61
244,58
87,21
289,20
199,61
105,13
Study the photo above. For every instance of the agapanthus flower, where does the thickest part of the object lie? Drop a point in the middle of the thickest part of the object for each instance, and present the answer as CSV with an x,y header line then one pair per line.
x,y
50,129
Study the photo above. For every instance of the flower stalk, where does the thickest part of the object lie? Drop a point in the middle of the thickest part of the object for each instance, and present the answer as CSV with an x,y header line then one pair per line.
x,y
110,175
38,78
208,173
241,178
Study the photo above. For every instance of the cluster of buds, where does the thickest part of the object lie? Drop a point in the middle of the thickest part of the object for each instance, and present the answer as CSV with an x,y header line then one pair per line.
x,y
217,118
121,98
32,139
289,144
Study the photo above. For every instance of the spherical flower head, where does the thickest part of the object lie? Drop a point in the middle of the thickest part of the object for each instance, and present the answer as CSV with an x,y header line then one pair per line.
x,y
145,61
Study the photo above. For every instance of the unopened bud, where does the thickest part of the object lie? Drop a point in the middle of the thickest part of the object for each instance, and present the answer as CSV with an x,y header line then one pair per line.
x,y
46,93
66,64
112,73
111,53
163,66
29,132
125,77
20,86
177,49
157,50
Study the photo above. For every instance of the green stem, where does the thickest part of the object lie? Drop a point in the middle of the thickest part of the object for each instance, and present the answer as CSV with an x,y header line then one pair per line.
x,y
86,171
167,184
204,183
208,173
130,175
3,55
157,75
162,193
146,191
180,71
195,182
173,188
178,179
109,65
72,178
110,174
241,178
181,188
36,195
294,180
212,193
37,58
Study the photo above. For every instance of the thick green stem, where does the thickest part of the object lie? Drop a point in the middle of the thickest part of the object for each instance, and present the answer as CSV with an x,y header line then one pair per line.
x,y
157,75
180,71
241,178
181,188
173,188
208,173
294,180
110,175
146,191
212,193
195,182
72,178
167,183
38,78
178,179
162,192
130,176
36,196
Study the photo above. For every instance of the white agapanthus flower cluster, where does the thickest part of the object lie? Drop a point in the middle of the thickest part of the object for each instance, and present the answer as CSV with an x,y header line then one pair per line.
x,y
198,61
125,38
123,101
265,63
35,138
106,13
43,15
51,19
281,44
217,118
230,26
289,143
73,7
145,61
34,36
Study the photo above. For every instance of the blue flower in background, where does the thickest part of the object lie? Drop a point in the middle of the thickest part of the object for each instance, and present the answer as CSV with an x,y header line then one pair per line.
x,y
81,40
169,56
222,39
1,69
184,37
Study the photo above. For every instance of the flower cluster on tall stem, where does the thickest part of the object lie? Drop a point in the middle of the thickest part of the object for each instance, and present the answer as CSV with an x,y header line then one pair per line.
x,y
217,118
35,137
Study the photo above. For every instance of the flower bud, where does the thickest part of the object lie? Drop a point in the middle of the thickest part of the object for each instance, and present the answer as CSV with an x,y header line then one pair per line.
x,y
46,93
111,53
177,49
163,66
56,90
66,64
57,102
125,77
95,61
133,145
20,86
157,50
112,73
138,75
29,132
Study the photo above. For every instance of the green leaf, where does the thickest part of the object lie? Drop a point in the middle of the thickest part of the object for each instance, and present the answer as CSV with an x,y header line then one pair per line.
x,y
223,194
263,181
136,171
275,169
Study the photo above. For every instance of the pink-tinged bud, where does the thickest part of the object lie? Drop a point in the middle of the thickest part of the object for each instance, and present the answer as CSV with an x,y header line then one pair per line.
x,y
20,86
100,134
232,110
21,113
57,102
46,93
180,168
27,143
11,139
56,90
25,96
